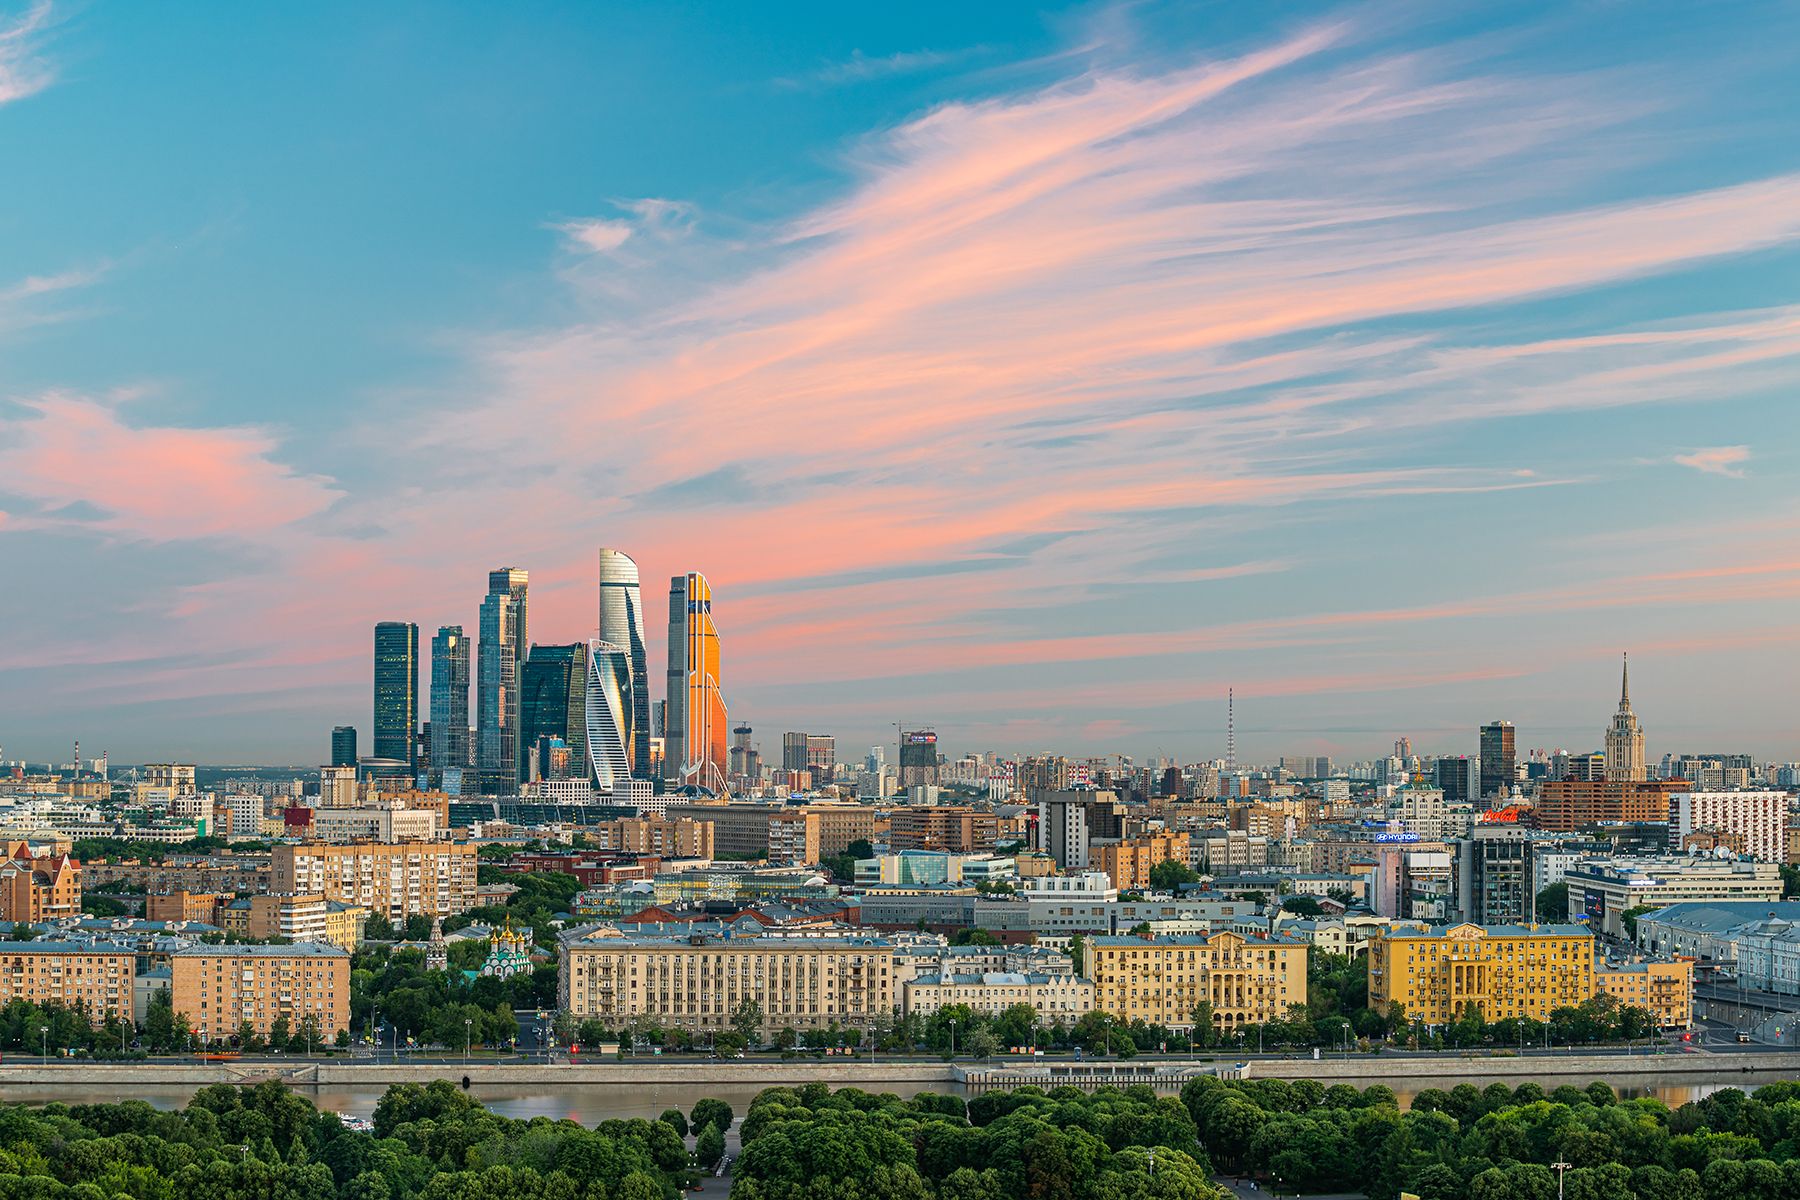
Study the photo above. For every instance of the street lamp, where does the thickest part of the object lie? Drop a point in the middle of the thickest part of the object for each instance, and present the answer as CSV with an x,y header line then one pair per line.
x,y
45,1031
952,1039
469,1045
1560,1168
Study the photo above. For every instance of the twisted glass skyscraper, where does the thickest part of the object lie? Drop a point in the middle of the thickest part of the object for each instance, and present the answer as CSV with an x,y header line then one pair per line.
x,y
622,627
608,707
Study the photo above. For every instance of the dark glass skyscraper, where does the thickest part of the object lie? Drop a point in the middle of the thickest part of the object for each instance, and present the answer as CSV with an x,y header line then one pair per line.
x,y
396,691
499,658
553,699
622,625
343,745
449,702
1499,759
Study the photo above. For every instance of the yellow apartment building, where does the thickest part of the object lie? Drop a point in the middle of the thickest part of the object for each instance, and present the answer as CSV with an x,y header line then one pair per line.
x,y
1247,980
1507,970
1666,989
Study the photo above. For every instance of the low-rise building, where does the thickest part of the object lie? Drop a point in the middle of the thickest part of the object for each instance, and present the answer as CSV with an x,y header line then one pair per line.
x,y
223,988
1058,999
183,905
930,867
1247,980
1601,891
1664,989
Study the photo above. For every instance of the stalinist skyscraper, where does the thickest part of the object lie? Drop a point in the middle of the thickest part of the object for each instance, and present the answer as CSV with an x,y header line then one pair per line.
x,y
1625,739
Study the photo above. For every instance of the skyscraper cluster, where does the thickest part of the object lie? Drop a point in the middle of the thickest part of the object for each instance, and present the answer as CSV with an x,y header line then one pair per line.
x,y
580,711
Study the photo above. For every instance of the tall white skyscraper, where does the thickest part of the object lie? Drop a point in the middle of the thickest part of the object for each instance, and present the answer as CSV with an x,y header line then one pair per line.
x,y
622,625
608,706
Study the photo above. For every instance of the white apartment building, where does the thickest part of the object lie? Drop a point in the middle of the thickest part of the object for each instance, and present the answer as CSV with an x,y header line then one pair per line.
x,y
1061,998
1759,816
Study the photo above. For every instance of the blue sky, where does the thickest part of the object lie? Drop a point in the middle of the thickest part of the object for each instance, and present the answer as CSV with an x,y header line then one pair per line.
x,y
1038,372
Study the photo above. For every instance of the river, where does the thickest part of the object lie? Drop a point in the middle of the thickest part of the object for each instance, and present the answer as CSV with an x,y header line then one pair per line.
x,y
592,1103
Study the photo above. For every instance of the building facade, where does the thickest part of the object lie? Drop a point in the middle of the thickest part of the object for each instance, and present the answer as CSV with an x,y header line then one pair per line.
x,y
1572,805
698,983
223,988
1058,999
396,691
1759,818
1625,737
956,828
622,626
1663,989
449,704
1505,971
1246,980
694,753
96,976
1128,863
500,655
38,888
398,881
1499,757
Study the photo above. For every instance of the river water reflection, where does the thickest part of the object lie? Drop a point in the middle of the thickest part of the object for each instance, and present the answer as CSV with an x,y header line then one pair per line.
x,y
592,1103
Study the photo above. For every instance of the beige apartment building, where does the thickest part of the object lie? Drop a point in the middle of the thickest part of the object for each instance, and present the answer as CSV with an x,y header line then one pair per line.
x,y
697,983
375,825
182,905
1160,980
680,837
221,987
98,977
796,834
396,881
956,828
296,918
1128,863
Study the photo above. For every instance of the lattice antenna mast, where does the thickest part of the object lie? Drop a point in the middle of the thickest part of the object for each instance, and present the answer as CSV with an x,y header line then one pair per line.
x,y
1230,731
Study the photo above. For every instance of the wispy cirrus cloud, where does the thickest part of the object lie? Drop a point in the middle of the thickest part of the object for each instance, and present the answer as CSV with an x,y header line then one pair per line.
x,y
1090,307
24,69
1717,460
1086,374
861,68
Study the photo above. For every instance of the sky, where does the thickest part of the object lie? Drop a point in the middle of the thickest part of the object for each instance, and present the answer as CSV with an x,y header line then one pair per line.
x,y
1035,372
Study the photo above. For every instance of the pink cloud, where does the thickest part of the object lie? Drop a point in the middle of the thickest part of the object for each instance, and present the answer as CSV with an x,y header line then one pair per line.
x,y
1717,460
161,483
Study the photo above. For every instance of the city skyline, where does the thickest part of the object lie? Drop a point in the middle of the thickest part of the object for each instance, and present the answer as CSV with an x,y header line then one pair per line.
x,y
1032,376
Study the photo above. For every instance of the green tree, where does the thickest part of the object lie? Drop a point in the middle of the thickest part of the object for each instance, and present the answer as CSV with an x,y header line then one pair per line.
x,y
1171,874
1305,906
747,1020
1553,904
709,1148
673,1118
710,1112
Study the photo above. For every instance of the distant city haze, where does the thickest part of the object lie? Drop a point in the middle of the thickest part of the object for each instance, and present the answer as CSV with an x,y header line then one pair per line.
x,y
1028,374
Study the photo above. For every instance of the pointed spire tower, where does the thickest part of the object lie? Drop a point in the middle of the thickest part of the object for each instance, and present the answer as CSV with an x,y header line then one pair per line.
x,y
1625,737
